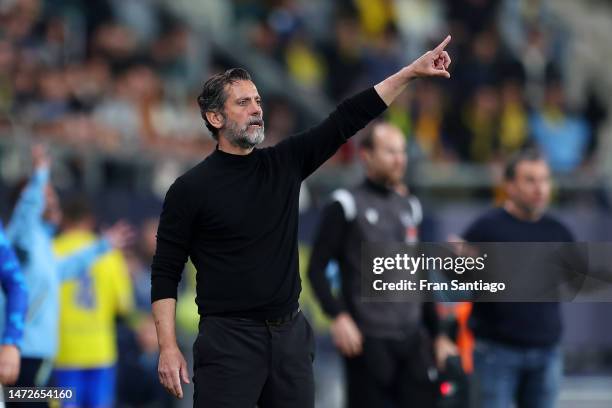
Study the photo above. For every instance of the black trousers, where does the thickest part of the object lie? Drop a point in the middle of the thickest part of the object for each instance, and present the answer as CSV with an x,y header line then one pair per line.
x,y
391,373
243,363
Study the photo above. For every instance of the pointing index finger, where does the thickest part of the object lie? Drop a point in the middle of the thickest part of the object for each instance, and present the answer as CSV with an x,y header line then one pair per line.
x,y
443,44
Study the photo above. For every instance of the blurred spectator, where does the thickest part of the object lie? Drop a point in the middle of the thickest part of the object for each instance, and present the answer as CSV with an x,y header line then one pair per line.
x,y
400,113
483,63
175,127
139,260
514,120
562,135
344,56
419,22
470,16
116,44
113,78
87,352
375,17
304,63
170,58
384,56
124,110
517,357
54,101
536,65
428,120
516,16
265,40
537,38
481,120
18,25
139,16
89,82
24,87
6,87
56,48
34,219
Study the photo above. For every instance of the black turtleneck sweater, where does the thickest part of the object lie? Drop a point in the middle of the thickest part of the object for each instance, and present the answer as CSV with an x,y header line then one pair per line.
x,y
236,217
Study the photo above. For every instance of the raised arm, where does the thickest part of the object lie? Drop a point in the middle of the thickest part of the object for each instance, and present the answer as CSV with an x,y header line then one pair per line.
x,y
116,237
79,263
31,203
308,150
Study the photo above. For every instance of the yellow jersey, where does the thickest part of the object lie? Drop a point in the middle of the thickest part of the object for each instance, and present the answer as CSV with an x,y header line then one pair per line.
x,y
89,304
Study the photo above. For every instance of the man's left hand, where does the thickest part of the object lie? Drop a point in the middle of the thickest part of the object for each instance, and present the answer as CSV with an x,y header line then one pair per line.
x,y
443,349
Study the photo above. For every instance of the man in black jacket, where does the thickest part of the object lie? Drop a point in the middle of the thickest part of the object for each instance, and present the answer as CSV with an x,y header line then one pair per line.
x,y
235,215
385,346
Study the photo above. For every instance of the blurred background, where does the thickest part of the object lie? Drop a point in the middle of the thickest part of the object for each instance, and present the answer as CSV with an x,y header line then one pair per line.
x,y
110,86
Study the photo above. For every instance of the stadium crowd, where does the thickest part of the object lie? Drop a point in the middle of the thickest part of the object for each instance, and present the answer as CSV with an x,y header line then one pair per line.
x,y
122,76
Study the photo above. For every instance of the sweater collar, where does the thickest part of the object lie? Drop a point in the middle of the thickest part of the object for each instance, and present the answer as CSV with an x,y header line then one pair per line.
x,y
234,158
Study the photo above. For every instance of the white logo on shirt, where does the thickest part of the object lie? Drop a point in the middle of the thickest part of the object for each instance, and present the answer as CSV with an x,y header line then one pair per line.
x,y
371,215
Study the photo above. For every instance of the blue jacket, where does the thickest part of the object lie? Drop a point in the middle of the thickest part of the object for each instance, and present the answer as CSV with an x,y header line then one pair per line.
x,y
14,289
32,238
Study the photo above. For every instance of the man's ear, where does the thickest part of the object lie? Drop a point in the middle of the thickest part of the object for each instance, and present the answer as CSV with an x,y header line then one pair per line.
x,y
215,118
365,155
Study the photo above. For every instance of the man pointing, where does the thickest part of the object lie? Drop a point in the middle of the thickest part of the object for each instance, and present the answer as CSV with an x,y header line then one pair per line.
x,y
235,215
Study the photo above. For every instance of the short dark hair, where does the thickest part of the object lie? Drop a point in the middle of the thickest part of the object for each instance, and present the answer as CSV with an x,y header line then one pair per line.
x,y
530,154
213,96
77,207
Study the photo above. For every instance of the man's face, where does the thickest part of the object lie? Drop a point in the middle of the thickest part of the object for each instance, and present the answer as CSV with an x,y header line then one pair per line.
x,y
244,125
386,162
530,188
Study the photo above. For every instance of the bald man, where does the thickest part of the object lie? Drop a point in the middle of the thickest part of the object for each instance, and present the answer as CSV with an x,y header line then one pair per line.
x,y
385,345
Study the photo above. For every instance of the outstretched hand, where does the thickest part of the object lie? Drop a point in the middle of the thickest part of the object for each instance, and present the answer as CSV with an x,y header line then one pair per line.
x,y
120,235
433,63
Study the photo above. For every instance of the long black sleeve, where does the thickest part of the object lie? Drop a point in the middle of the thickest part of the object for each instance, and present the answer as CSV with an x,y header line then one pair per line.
x,y
326,247
173,237
313,147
